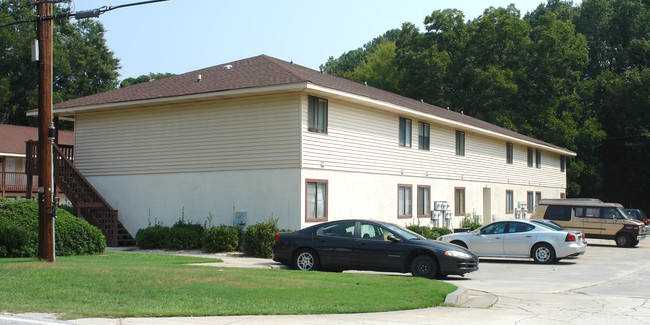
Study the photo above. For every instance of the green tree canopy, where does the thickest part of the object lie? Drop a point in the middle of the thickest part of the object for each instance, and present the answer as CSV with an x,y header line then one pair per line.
x,y
83,64
144,78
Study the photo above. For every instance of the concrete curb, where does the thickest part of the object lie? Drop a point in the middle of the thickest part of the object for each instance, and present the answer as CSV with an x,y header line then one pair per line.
x,y
458,297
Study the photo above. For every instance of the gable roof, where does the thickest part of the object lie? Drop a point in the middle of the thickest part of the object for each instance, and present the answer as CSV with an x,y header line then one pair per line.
x,y
265,71
13,138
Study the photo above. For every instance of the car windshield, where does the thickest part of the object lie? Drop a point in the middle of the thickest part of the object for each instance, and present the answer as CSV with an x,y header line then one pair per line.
x,y
403,232
549,224
626,214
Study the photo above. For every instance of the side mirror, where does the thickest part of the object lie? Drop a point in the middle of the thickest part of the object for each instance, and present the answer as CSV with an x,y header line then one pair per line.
x,y
393,239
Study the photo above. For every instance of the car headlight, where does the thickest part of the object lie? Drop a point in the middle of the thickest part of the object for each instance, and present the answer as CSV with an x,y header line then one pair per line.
x,y
458,254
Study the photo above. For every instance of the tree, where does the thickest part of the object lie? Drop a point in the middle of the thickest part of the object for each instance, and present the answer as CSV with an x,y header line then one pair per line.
x,y
83,64
144,78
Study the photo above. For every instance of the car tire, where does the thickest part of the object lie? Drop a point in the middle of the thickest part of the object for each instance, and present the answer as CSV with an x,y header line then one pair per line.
x,y
635,242
623,240
306,260
424,266
459,243
543,253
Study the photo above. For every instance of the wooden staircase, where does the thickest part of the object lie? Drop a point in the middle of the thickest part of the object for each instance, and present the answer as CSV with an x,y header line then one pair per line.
x,y
90,204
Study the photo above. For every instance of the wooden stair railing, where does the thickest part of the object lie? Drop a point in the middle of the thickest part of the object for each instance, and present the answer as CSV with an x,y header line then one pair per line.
x,y
90,204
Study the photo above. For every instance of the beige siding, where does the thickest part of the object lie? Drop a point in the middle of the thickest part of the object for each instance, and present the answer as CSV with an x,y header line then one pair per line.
x,y
257,133
365,140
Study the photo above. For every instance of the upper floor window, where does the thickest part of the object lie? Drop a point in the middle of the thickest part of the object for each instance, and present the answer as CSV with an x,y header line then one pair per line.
x,y
404,132
538,158
562,163
460,143
509,153
317,115
423,136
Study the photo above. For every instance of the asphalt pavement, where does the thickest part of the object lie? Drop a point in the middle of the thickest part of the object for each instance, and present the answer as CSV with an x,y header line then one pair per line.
x,y
607,285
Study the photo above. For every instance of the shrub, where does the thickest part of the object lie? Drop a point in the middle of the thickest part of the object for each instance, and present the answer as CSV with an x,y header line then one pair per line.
x,y
12,239
152,237
259,238
220,239
72,235
429,232
184,235
470,221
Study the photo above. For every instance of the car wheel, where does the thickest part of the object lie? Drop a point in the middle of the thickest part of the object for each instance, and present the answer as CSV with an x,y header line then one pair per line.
x,y
459,243
543,253
424,266
623,240
306,260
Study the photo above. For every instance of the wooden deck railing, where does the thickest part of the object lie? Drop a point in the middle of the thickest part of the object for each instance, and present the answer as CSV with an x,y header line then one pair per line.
x,y
14,182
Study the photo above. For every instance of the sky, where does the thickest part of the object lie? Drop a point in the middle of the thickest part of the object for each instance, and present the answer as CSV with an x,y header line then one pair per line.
x,y
180,36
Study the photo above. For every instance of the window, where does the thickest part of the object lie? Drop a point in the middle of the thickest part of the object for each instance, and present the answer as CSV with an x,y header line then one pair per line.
x,y
343,229
562,163
495,228
404,132
316,200
530,157
538,197
460,143
459,201
558,212
404,198
585,213
514,227
562,196
538,158
317,115
510,201
423,136
424,201
530,204
509,153
374,232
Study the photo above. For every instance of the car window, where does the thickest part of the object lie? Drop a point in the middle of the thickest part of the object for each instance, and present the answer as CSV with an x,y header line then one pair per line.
x,y
519,227
549,224
403,232
558,212
588,212
343,229
495,228
374,232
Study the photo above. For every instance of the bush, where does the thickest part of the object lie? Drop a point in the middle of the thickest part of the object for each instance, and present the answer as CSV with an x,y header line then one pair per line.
x,y
429,232
152,237
185,235
12,239
259,238
470,221
220,239
72,235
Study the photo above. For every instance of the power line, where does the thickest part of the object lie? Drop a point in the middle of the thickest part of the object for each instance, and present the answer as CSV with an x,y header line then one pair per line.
x,y
93,13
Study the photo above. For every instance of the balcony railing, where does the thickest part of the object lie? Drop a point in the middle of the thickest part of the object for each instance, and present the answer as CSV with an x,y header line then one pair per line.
x,y
15,182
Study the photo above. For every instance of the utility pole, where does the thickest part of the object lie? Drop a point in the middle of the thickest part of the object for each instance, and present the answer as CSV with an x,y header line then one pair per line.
x,y
44,11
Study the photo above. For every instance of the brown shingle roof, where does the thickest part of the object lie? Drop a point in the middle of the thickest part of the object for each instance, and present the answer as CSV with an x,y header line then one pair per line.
x,y
261,71
13,138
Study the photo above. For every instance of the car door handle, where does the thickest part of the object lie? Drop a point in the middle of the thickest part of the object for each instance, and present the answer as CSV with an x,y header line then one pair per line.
x,y
529,236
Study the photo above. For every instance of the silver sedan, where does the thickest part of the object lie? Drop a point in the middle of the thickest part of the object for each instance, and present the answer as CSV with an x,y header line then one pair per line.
x,y
544,242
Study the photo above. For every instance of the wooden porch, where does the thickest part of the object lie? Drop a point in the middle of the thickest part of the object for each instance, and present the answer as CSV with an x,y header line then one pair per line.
x,y
91,206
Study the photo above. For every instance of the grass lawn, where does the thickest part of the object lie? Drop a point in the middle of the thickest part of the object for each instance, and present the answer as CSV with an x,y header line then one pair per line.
x,y
118,284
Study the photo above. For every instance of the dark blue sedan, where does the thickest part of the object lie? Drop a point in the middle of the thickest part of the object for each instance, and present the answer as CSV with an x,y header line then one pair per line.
x,y
370,245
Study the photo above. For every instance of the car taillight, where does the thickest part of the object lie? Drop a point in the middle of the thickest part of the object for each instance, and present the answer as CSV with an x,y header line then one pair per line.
x,y
277,237
570,237
645,221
